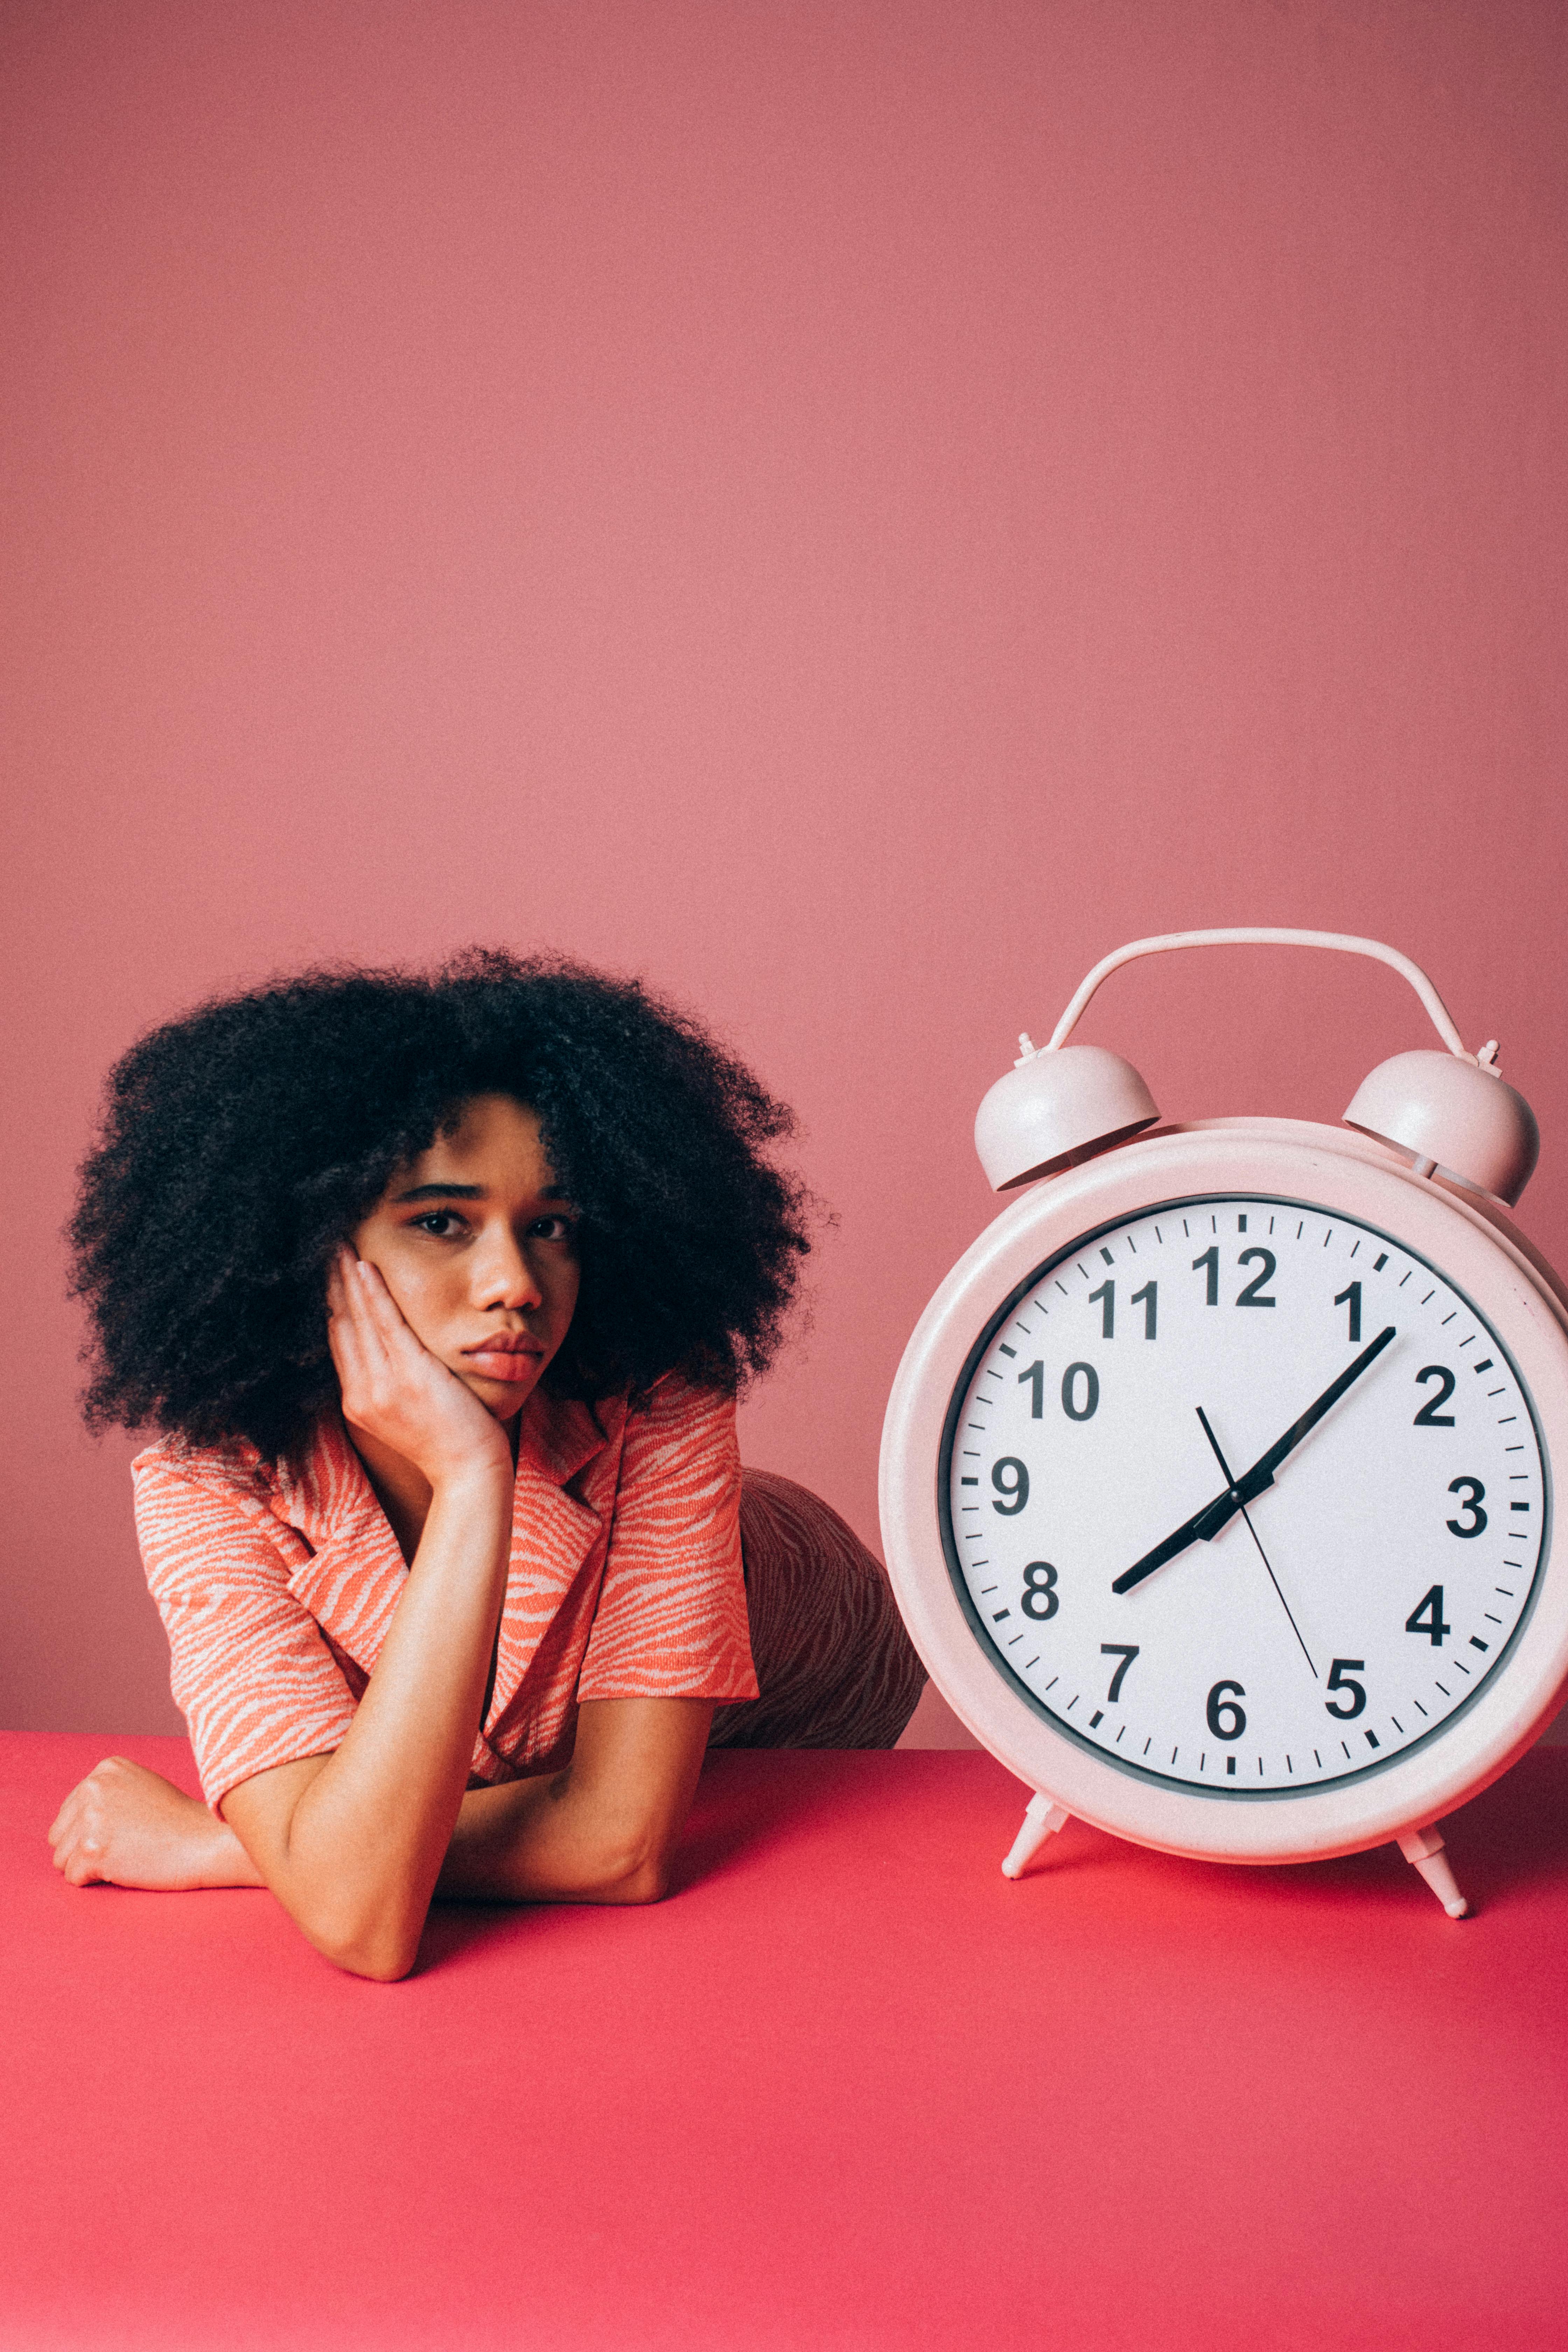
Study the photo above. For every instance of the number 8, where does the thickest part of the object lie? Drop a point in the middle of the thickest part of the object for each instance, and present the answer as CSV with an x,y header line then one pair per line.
x,y
1040,1598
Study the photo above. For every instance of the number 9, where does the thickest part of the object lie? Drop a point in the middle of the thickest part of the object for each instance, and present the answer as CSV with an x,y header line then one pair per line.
x,y
1011,1481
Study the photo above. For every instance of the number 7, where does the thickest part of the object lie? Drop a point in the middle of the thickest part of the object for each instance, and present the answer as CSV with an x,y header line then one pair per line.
x,y
1126,1652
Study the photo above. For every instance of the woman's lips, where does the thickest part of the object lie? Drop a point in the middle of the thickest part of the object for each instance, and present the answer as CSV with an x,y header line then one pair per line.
x,y
504,1363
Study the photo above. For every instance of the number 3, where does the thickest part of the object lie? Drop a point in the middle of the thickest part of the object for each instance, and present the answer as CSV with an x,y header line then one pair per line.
x,y
1472,1491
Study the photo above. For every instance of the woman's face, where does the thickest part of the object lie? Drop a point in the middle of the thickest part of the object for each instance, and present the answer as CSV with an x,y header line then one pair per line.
x,y
478,1244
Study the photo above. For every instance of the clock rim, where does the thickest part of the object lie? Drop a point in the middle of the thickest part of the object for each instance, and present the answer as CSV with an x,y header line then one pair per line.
x,y
1468,1243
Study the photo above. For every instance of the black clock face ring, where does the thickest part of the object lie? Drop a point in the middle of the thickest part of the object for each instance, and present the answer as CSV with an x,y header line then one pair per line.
x,y
1244,1497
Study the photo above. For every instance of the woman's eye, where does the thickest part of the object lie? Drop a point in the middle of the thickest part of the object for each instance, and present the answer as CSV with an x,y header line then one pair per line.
x,y
443,1224
552,1229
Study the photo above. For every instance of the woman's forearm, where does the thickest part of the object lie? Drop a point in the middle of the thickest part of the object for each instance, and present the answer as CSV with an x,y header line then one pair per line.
x,y
541,1841
351,1844
602,1831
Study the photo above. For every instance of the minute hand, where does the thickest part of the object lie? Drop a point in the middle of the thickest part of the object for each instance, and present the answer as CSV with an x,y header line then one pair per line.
x,y
1204,1524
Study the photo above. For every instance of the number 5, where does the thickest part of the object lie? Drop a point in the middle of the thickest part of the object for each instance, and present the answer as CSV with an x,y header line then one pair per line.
x,y
1341,1679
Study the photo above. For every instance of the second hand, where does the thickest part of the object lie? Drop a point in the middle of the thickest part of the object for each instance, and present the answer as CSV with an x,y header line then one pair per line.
x,y
1252,1531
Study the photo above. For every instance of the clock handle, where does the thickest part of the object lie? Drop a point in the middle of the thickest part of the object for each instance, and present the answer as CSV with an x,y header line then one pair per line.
x,y
1042,1819
1452,1111
1250,938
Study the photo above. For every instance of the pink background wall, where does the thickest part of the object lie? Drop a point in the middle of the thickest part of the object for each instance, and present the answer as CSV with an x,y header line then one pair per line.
x,y
848,508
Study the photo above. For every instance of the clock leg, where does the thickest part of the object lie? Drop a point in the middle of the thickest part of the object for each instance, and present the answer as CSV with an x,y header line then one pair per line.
x,y
1042,1818
1423,1848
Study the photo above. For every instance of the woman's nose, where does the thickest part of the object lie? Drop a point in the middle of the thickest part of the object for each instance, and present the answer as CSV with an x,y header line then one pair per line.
x,y
504,1277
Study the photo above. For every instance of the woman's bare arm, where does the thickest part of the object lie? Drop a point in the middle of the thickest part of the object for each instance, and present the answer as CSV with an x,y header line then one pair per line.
x,y
602,1831
351,1843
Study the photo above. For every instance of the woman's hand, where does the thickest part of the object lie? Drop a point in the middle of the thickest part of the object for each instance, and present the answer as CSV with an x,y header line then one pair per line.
x,y
130,1827
396,1392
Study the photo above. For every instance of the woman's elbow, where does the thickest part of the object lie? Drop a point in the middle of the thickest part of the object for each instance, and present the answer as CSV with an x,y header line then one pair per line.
x,y
376,1965
380,1949
649,1882
630,1870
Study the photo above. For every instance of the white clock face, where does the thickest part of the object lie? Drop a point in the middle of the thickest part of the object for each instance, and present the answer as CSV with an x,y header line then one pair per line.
x,y
1243,1496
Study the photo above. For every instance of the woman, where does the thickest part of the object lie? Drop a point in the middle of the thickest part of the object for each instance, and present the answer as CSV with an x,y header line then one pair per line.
x,y
441,1289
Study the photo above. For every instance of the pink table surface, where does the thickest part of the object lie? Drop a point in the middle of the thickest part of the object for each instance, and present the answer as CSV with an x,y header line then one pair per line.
x,y
847,2089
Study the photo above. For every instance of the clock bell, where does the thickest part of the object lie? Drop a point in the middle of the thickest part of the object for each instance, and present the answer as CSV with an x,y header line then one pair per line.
x,y
1452,1112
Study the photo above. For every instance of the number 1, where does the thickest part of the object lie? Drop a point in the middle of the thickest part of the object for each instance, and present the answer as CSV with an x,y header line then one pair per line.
x,y
1352,1299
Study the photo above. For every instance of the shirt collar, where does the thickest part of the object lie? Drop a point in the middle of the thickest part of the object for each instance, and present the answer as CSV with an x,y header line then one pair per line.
x,y
353,1581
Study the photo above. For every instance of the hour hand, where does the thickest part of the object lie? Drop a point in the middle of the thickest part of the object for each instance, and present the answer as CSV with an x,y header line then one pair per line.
x,y
1202,1526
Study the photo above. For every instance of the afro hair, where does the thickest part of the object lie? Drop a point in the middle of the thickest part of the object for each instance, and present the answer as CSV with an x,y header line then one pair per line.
x,y
241,1144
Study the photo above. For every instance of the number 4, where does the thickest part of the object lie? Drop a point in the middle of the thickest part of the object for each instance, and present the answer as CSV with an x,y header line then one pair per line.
x,y
1427,1617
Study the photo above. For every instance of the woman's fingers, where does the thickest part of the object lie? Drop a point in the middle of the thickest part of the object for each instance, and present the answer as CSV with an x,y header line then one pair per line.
x,y
388,1354
77,1847
382,1312
359,1350
130,1827
61,1827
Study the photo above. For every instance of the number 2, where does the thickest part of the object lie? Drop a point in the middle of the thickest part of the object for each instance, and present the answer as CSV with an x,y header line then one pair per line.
x,y
1429,1417
1253,1295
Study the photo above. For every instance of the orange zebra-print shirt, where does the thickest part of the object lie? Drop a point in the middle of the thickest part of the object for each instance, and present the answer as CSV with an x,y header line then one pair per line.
x,y
276,1581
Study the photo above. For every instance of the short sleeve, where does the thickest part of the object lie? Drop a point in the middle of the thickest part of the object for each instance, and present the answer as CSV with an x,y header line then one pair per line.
x,y
251,1670
671,1619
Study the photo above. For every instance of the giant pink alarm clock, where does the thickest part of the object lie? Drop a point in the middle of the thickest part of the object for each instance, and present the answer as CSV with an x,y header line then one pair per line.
x,y
1216,1477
